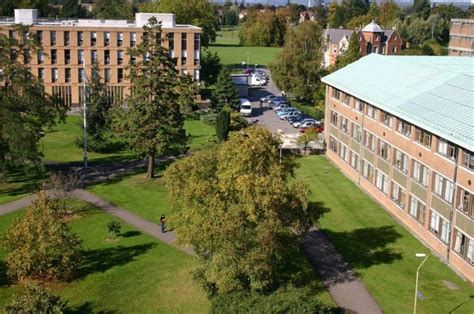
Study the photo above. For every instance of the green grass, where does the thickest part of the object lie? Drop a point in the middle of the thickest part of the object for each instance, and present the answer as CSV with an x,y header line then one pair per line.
x,y
380,250
133,273
200,133
228,36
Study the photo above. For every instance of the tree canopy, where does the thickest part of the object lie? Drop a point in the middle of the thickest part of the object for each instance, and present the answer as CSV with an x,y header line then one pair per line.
x,y
225,93
113,9
263,29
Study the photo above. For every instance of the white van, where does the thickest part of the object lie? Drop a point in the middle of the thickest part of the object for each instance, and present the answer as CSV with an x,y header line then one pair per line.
x,y
257,81
245,107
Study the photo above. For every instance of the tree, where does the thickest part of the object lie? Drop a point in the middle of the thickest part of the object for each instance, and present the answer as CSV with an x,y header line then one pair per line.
x,y
153,122
25,109
223,124
336,15
417,30
297,68
263,29
233,204
36,300
225,92
113,9
210,67
421,8
201,13
72,9
41,245
231,17
114,227
308,136
352,54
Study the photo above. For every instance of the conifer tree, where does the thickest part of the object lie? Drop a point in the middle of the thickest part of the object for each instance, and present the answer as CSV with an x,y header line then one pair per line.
x,y
223,124
225,92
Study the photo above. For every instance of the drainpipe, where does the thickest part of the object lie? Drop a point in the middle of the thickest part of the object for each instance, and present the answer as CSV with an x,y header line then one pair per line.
x,y
451,208
361,143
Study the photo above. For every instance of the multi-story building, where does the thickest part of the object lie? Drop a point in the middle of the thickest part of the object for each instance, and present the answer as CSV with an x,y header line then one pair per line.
x,y
69,48
402,127
372,39
461,38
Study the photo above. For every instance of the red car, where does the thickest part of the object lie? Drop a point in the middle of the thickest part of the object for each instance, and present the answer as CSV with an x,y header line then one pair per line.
x,y
317,127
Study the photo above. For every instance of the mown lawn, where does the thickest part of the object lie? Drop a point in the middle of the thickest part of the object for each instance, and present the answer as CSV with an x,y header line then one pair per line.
x,y
135,273
380,250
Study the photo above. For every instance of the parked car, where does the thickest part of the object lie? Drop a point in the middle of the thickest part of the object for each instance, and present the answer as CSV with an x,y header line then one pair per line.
x,y
267,98
290,114
286,111
277,101
317,127
281,107
257,81
261,74
245,107
298,124
295,118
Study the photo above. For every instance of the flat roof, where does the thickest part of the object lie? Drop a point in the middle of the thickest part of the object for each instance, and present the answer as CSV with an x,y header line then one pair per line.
x,y
431,92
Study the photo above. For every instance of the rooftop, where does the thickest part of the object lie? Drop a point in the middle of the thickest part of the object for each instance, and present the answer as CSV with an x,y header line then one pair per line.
x,y
372,27
30,17
434,93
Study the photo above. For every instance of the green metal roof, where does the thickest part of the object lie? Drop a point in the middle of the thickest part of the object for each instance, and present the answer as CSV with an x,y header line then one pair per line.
x,y
434,93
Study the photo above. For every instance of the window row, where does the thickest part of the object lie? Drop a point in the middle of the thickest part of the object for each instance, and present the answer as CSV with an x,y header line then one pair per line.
x,y
81,77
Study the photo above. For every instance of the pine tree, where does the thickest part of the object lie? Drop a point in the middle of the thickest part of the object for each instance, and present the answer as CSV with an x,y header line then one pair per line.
x,y
153,122
225,92
223,124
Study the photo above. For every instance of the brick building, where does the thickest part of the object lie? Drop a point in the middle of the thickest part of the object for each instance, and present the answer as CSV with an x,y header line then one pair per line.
x,y
402,128
372,39
70,46
461,38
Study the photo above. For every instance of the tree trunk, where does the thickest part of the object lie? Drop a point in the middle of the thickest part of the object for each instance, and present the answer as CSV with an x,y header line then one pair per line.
x,y
2,168
151,166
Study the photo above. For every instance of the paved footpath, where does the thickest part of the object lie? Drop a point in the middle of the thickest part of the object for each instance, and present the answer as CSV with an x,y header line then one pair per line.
x,y
345,288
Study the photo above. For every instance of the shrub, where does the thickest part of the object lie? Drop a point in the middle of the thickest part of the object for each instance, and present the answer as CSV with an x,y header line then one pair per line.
x,y
223,125
209,118
36,300
114,227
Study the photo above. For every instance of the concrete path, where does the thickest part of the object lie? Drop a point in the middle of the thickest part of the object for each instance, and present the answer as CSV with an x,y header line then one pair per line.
x,y
345,288
130,218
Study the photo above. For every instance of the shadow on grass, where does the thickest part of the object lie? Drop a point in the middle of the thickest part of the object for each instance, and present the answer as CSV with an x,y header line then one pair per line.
x,y
86,308
100,260
4,281
22,180
130,234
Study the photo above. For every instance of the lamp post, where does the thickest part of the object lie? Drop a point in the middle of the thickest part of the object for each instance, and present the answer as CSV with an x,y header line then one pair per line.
x,y
419,255
248,53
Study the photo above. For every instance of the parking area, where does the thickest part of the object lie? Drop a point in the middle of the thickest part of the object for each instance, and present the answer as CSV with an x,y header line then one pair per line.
x,y
265,116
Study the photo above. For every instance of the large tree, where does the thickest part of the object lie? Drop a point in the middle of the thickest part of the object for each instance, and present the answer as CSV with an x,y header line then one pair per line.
x,y
72,9
263,29
153,122
297,68
25,109
113,9
210,67
201,13
225,93
40,244
233,204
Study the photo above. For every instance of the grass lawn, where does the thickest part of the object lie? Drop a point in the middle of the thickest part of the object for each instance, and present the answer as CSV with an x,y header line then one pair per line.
x,y
380,250
135,273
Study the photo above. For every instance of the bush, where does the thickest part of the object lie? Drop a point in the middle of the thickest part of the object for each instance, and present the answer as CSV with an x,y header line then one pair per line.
x,y
223,125
237,122
312,111
284,300
114,227
36,300
209,118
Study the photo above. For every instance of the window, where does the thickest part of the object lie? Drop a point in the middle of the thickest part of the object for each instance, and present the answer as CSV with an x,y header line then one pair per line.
x,y
423,137
80,56
52,38
443,187
171,44
120,75
54,56
67,74
82,76
184,57
39,37
107,56
384,150
346,98
40,56
343,152
336,93
133,39
355,161
394,49
369,140
446,149
106,75
356,132
41,74
404,128
197,41
465,202
417,210
119,57
420,173
468,159
119,39
133,59
400,161
67,56
94,56
370,111
333,144
26,56
439,226
93,38
106,39
66,38
359,105
367,170
398,195
345,125
334,118
381,182
54,75
196,75
386,118
80,38
463,245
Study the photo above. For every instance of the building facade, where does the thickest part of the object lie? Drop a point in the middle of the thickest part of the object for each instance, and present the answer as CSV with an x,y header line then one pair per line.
x,y
69,48
402,128
372,39
461,38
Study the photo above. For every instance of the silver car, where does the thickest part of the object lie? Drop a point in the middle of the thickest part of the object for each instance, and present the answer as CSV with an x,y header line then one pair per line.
x,y
298,124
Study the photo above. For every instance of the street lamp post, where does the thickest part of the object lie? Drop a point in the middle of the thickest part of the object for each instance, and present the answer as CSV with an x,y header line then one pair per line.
x,y
419,255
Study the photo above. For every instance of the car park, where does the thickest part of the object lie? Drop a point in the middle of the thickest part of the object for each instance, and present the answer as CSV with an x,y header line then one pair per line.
x,y
298,124
281,107
277,101
267,98
317,127
290,114
286,111
294,118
